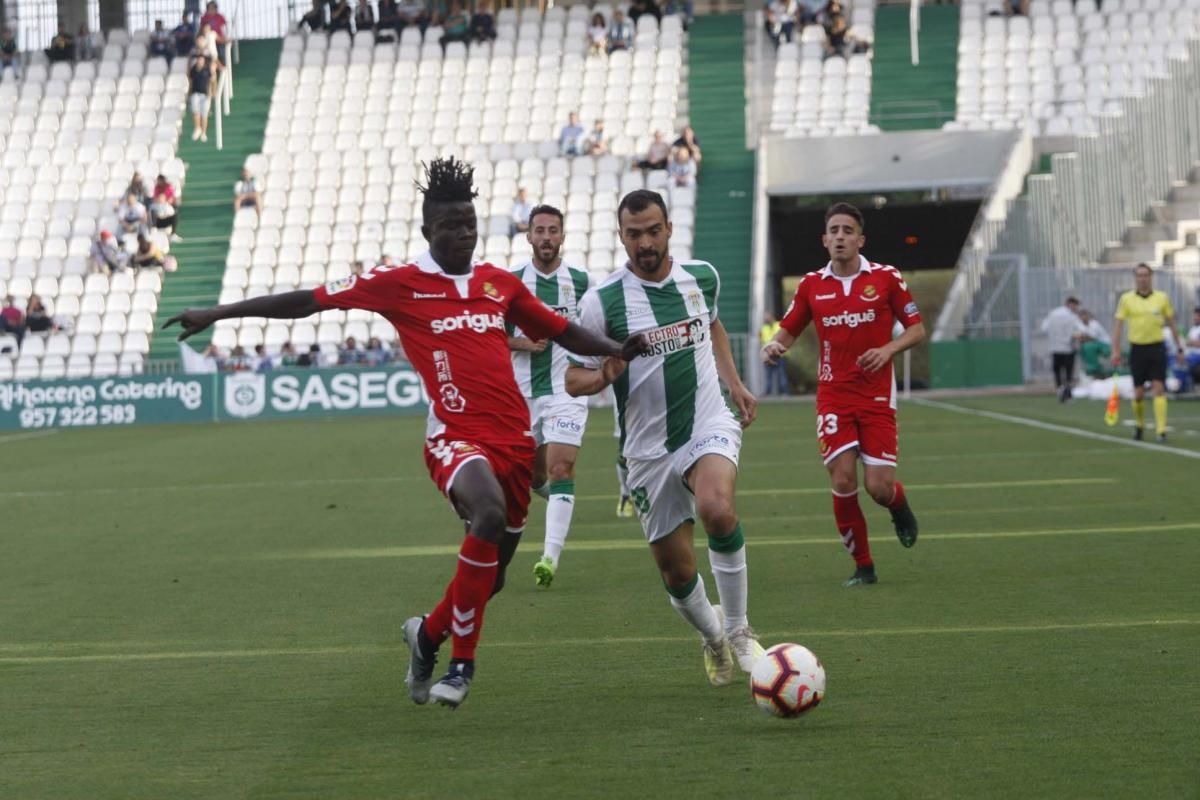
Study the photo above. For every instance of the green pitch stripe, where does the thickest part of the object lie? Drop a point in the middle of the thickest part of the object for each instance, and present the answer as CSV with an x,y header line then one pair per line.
x,y
679,369
541,374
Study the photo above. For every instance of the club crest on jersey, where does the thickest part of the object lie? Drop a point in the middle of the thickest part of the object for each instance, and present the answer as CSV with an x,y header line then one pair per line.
x,y
695,302
341,284
491,292
683,335
869,294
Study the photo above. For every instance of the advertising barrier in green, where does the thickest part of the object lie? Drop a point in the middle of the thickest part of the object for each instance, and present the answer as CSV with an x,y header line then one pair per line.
x,y
138,400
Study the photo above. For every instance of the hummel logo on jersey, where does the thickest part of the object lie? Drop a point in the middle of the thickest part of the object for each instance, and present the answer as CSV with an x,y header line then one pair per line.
x,y
825,296
850,319
423,296
479,323
673,338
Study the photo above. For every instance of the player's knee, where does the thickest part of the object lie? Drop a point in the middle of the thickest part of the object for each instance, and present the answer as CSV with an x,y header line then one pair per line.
x,y
844,484
881,490
678,576
717,515
487,522
563,470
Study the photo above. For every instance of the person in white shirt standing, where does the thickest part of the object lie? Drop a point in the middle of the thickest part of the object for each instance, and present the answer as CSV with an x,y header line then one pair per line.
x,y
1061,326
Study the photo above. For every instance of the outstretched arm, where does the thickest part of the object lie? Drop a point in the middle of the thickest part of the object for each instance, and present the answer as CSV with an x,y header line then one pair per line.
x,y
583,342
289,305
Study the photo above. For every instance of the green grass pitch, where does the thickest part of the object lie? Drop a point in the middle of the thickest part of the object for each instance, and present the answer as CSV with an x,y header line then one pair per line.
x,y
214,612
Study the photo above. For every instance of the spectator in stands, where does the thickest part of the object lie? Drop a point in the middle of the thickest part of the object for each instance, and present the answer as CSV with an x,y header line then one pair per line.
x,y
340,15
206,45
164,207
161,44
1095,345
519,220
1016,8
287,355
200,76
835,36
238,361
364,17
37,318
132,217
12,319
87,44
457,25
349,353
213,20
1191,344
685,7
413,12
597,35
137,188
315,18
811,11
388,21
639,7
62,46
595,143
657,154
387,260
184,36
10,58
569,138
620,33
483,22
147,254
310,359
262,359
106,254
376,354
780,20
682,169
687,138
246,194
358,267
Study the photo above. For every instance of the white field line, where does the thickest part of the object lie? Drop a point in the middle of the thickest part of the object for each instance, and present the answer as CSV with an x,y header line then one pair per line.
x,y
375,650
1050,426
636,543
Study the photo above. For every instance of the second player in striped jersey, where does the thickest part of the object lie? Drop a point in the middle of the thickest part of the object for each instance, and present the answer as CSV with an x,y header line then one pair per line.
x,y
679,437
557,419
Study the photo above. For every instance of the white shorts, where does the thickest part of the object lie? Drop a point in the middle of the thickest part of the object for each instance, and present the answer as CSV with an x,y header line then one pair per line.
x,y
558,419
658,487
199,104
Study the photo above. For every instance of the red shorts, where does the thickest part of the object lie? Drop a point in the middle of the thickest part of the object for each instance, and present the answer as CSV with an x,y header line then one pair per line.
x,y
512,464
871,427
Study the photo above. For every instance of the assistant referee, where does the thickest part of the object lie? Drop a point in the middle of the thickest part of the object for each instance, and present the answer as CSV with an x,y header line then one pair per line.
x,y
1147,312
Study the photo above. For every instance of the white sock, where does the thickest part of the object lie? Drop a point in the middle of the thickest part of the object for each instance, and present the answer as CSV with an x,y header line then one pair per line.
x,y
623,477
559,508
729,571
698,612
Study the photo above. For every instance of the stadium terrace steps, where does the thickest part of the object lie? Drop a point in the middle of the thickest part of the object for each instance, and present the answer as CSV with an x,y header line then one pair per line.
x,y
725,204
904,97
1159,235
206,215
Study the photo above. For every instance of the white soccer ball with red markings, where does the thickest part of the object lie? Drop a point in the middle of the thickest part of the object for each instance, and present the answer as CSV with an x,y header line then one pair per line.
x,y
788,681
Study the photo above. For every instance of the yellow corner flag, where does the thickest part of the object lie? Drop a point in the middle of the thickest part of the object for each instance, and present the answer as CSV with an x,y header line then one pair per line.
x,y
1112,412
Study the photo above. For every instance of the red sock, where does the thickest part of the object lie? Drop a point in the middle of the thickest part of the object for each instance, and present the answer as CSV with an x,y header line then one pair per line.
x,y
437,624
477,564
898,499
852,527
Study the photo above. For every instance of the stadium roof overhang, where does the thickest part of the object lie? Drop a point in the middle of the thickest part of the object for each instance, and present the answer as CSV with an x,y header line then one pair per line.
x,y
889,162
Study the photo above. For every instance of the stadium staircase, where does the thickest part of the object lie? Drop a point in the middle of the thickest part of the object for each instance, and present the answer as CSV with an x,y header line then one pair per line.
x,y
904,97
206,217
724,207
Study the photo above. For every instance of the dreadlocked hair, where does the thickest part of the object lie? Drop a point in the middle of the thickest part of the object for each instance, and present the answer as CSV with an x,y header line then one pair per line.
x,y
448,180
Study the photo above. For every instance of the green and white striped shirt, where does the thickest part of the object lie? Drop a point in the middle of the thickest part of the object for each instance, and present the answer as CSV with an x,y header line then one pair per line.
x,y
545,373
663,397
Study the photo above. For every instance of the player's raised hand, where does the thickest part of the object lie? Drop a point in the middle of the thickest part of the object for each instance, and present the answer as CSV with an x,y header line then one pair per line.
x,y
745,402
772,351
634,346
192,321
874,359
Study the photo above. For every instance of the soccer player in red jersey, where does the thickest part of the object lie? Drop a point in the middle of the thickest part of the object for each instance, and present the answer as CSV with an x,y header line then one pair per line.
x,y
451,315
854,305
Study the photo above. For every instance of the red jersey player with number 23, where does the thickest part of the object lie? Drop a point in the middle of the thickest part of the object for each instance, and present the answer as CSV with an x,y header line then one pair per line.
x,y
854,305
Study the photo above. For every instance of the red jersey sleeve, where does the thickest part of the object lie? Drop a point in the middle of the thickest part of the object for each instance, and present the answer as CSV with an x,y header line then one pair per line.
x,y
901,300
798,313
375,290
531,315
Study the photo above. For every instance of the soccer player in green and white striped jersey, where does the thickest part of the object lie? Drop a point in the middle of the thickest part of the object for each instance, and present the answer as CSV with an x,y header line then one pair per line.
x,y
679,437
557,419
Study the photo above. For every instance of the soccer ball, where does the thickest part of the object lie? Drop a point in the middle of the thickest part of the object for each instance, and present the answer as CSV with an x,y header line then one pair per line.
x,y
788,681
